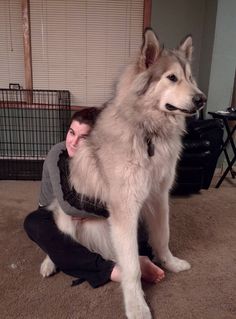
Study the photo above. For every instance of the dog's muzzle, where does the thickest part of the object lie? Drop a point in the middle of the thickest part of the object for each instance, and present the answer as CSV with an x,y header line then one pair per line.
x,y
199,101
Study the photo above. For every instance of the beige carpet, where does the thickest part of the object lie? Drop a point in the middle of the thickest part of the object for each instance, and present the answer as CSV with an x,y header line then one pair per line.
x,y
203,230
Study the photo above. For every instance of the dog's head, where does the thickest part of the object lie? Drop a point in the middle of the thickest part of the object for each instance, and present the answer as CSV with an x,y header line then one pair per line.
x,y
164,79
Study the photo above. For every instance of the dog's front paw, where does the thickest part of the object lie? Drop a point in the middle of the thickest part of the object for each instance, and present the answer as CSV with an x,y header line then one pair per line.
x,y
47,267
139,313
175,264
137,308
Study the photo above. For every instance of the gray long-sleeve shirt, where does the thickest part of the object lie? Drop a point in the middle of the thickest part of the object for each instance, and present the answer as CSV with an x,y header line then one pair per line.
x,y
51,186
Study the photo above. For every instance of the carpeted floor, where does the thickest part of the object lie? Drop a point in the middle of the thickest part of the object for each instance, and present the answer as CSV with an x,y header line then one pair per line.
x,y
203,230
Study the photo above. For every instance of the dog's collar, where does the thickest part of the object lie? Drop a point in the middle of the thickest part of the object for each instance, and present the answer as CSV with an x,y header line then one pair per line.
x,y
150,146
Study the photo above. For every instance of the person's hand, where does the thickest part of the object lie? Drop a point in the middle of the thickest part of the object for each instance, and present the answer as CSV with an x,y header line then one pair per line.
x,y
78,218
83,219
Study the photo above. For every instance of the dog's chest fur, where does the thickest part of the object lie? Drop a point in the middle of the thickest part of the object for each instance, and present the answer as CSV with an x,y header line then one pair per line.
x,y
159,159
116,155
124,160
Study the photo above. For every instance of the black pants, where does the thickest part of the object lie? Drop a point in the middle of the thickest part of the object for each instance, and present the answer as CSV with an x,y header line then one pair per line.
x,y
67,254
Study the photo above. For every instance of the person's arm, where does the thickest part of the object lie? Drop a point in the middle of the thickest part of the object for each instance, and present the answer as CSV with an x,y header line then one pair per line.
x,y
71,202
71,196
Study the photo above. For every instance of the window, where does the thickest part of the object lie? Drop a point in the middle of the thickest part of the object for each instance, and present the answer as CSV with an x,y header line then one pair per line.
x,y
83,45
11,43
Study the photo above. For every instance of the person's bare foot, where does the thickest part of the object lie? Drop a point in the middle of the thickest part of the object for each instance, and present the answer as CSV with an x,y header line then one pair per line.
x,y
150,272
116,274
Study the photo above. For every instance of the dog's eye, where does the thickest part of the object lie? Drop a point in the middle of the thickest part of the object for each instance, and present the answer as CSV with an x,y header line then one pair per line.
x,y
172,78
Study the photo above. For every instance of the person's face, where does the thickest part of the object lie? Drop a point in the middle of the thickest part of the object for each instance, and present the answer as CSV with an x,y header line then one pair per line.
x,y
75,135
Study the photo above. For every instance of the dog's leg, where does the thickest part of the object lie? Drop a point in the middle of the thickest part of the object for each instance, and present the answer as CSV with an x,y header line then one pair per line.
x,y
124,236
47,267
158,226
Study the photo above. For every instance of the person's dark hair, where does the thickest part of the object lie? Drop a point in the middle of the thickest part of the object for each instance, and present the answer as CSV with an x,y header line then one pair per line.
x,y
85,116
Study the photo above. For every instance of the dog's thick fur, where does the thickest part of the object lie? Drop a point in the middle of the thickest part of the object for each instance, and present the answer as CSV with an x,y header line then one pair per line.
x,y
129,162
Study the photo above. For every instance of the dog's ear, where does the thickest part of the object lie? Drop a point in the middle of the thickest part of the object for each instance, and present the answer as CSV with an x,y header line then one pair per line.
x,y
186,47
150,50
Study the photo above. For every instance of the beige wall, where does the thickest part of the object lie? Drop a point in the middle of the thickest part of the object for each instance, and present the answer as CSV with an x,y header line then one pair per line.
x,y
172,20
224,57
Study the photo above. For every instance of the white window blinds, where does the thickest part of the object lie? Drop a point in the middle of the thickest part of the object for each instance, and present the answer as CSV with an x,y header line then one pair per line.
x,y
11,43
82,45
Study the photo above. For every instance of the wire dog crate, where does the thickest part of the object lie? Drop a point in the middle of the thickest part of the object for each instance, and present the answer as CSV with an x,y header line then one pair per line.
x,y
31,121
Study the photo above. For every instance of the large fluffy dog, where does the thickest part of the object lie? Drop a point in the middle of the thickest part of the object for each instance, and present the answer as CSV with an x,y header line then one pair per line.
x,y
129,162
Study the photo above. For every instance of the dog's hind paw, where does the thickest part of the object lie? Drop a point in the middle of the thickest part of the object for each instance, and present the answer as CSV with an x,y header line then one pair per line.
x,y
47,267
175,264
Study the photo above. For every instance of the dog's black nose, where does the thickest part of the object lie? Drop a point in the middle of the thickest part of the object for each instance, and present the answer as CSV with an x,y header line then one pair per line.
x,y
199,100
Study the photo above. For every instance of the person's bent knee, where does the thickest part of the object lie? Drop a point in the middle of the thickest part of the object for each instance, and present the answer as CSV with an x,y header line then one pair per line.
x,y
39,224
30,223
